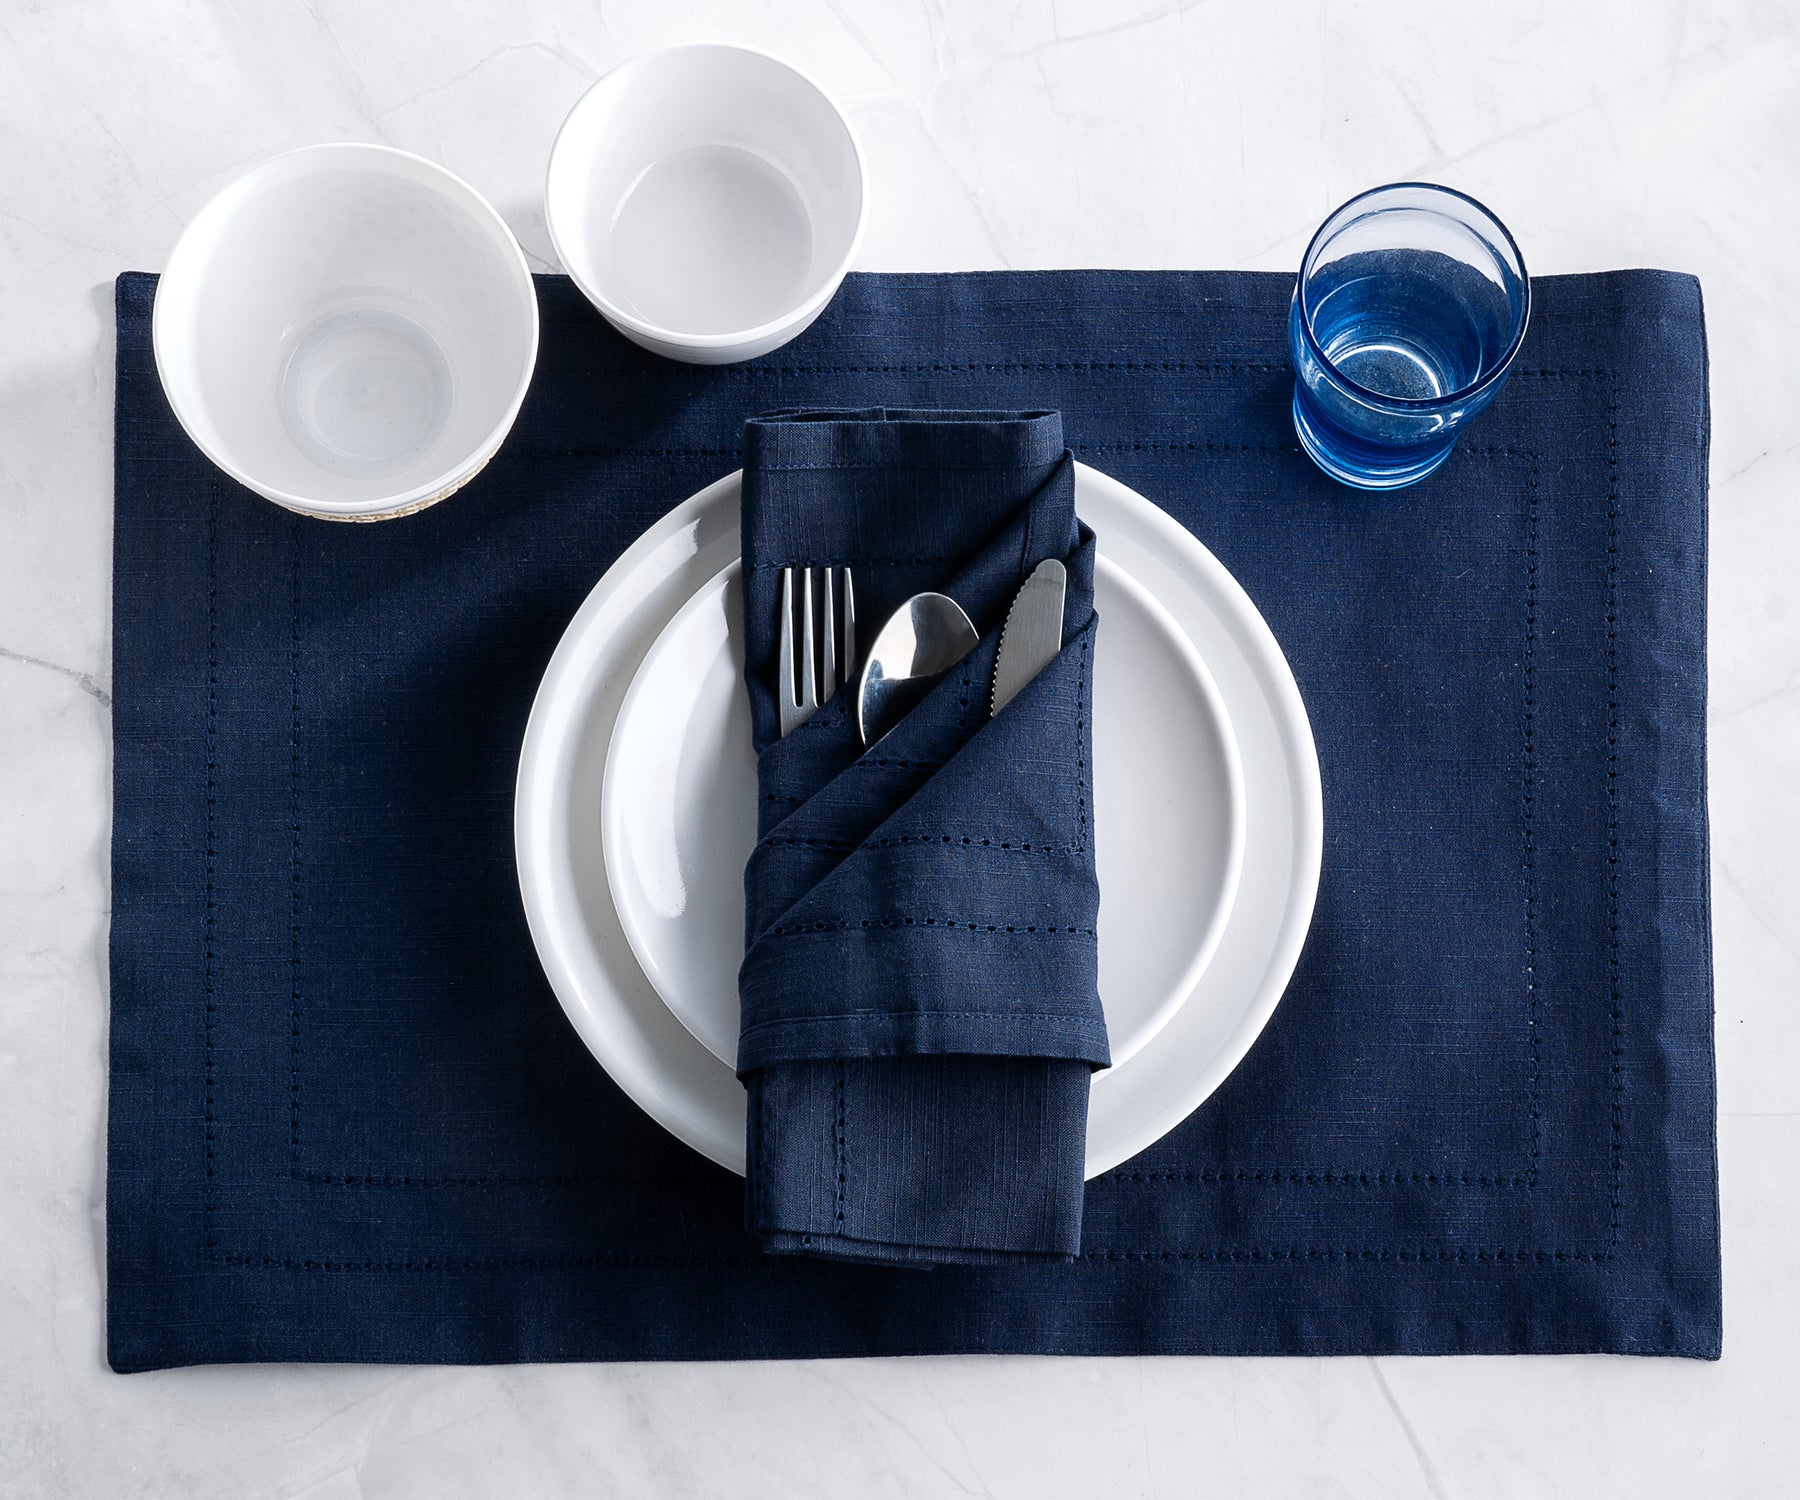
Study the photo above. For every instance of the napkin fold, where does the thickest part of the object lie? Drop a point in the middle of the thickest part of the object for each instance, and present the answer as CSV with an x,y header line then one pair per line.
x,y
920,1009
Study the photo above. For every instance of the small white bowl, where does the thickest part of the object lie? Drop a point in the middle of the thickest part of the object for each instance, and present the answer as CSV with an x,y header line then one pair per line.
x,y
708,200
348,330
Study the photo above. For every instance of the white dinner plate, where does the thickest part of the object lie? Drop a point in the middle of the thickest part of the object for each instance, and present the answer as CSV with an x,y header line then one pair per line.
x,y
614,1005
678,811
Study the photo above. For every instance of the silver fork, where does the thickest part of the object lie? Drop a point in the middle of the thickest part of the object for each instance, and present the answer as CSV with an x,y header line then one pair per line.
x,y
825,613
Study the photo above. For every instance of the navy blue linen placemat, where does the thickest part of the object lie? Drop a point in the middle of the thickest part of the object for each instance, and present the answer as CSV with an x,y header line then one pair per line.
x,y
348,1120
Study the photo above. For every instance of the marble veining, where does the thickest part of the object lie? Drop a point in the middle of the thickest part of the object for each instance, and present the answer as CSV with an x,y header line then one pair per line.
x,y
1141,133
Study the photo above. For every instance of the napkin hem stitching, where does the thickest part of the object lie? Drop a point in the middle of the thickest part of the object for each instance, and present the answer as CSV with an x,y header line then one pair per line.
x,y
954,840
294,851
843,1132
1224,1176
209,1203
923,1015
940,924
1612,797
1528,756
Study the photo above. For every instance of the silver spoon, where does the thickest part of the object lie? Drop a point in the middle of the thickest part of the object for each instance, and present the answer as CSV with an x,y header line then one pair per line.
x,y
922,639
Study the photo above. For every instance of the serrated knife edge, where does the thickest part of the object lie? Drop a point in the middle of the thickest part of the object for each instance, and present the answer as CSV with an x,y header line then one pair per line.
x,y
1032,633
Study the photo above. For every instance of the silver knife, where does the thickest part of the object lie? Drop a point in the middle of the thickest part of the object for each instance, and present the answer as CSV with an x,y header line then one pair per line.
x,y
1032,634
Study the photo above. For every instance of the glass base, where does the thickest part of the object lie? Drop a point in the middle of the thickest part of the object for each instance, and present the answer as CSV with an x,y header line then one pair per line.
x,y
1365,475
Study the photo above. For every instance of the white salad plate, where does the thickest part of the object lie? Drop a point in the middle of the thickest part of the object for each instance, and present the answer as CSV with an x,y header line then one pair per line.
x,y
634,870
678,812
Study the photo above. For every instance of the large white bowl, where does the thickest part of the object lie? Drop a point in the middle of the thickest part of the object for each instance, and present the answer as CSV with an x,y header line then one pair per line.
x,y
708,200
348,330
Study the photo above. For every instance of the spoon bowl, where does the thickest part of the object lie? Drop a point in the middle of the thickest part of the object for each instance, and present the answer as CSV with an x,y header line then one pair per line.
x,y
922,640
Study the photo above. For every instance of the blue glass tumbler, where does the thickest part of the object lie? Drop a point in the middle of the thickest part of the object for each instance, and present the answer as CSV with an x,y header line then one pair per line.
x,y
1410,308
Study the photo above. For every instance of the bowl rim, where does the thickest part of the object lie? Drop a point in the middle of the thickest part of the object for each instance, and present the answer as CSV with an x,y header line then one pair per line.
x,y
1365,394
797,316
187,247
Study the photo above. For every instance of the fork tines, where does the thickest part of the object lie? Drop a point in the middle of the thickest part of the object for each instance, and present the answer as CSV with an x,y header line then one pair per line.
x,y
822,613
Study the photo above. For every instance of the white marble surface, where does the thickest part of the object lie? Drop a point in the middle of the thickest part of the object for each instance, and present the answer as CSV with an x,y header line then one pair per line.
x,y
1035,133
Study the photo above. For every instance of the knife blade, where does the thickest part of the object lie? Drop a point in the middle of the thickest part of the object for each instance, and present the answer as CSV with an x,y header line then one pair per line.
x,y
1032,634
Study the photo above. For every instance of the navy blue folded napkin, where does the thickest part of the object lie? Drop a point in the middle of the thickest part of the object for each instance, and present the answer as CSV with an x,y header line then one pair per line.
x,y
920,1012
348,1120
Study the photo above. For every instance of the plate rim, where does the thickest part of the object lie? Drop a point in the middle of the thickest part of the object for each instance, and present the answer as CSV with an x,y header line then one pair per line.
x,y
1281,694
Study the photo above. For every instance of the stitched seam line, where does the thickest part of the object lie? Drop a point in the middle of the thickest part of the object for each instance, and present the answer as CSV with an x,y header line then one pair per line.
x,y
1613,962
1082,445
1365,1178
1324,1178
937,924
294,856
755,1165
1144,446
786,1022
1612,798
1081,688
1528,1178
956,841
1528,758
1327,1177
842,1133
209,1204
576,450
1459,1255
756,370
1421,1255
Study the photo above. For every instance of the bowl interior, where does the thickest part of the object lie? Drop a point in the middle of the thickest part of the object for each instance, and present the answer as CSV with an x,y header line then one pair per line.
x,y
346,327
705,191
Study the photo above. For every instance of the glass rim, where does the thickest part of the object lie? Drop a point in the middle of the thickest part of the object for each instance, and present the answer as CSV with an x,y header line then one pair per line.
x,y
1404,403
